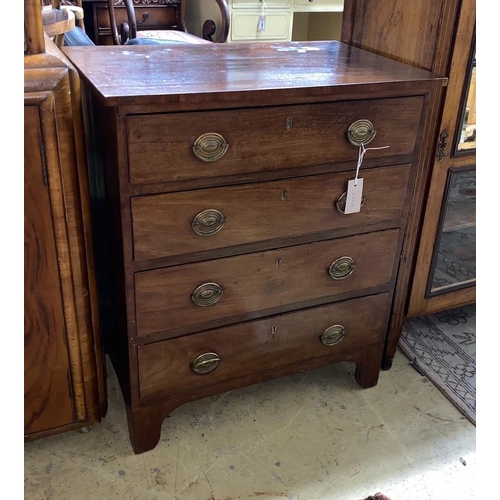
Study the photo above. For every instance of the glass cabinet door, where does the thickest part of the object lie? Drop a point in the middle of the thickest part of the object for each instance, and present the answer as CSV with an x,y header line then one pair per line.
x,y
453,263
445,268
467,126
454,260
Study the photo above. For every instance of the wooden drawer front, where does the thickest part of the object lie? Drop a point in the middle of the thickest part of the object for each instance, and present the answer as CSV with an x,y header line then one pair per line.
x,y
149,17
161,146
260,345
270,4
259,282
244,26
176,223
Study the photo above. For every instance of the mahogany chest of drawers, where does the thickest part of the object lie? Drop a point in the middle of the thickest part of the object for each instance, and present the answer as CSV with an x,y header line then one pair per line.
x,y
224,254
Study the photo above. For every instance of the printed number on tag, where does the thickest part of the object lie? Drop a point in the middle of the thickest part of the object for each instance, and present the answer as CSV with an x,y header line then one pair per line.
x,y
354,195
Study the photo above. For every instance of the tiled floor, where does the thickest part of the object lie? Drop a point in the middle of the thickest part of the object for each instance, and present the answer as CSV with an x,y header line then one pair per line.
x,y
311,436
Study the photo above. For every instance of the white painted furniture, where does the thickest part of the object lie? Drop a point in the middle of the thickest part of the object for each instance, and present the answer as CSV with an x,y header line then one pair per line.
x,y
284,20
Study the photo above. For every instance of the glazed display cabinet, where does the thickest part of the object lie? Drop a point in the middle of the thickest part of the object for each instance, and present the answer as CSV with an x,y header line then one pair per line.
x,y
445,273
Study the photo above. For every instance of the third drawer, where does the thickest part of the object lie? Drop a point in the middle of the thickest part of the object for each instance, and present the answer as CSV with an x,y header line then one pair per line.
x,y
192,297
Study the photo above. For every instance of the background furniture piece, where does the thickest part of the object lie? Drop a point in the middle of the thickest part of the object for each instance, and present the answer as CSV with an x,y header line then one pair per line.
x,y
128,32
232,258
437,36
285,20
60,17
158,15
64,380
445,272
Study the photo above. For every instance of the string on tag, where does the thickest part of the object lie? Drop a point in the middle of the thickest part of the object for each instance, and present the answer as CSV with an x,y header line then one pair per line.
x,y
362,152
261,24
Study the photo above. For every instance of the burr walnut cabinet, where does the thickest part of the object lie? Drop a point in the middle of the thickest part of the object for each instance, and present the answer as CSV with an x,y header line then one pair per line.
x,y
64,379
218,177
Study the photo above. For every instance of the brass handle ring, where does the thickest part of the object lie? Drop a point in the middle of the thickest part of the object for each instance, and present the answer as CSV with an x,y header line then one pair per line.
x,y
205,363
333,335
207,294
210,147
361,132
341,268
208,222
145,17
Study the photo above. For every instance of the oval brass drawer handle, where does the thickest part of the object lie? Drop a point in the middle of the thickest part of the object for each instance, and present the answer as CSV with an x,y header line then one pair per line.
x,y
340,203
361,132
333,335
208,222
210,147
341,268
207,294
205,363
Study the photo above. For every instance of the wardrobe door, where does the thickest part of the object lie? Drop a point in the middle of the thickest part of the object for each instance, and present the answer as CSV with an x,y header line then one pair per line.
x,y
48,398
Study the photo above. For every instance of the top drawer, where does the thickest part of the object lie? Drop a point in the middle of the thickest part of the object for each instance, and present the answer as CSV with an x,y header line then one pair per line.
x,y
193,145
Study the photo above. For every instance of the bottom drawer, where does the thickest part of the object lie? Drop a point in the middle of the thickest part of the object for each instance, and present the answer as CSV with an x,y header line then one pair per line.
x,y
211,357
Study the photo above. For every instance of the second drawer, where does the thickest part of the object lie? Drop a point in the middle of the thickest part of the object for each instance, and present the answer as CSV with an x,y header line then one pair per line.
x,y
203,294
182,223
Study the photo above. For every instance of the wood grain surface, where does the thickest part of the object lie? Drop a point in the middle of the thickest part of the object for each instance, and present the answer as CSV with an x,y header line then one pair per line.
x,y
162,224
160,147
48,400
259,282
261,345
158,75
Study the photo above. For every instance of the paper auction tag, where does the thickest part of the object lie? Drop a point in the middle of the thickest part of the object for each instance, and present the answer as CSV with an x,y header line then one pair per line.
x,y
261,25
354,195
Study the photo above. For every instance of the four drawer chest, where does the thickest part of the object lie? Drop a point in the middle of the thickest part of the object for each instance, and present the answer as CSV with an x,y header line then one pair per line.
x,y
225,251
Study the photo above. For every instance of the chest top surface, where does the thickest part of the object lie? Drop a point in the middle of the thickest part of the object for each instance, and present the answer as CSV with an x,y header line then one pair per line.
x,y
132,75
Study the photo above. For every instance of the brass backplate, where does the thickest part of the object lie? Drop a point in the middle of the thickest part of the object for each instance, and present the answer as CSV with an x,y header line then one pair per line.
x,y
333,335
205,363
341,268
207,294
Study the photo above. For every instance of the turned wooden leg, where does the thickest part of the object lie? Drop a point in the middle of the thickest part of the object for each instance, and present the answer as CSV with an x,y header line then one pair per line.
x,y
368,366
144,425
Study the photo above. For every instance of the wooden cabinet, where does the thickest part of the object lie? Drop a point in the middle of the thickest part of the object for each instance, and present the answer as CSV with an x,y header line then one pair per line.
x,y
445,272
438,262
48,395
64,382
233,257
150,15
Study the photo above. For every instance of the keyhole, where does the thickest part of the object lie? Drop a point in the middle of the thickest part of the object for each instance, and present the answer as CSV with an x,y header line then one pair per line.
x,y
274,330
289,124
284,194
278,262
